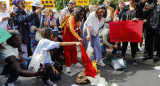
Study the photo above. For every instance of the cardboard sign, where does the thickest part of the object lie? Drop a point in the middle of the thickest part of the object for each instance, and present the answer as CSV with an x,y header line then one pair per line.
x,y
48,3
4,35
28,4
82,2
126,31
10,3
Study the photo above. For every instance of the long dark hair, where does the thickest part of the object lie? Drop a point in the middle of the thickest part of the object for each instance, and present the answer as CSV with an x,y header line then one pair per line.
x,y
102,7
77,13
37,21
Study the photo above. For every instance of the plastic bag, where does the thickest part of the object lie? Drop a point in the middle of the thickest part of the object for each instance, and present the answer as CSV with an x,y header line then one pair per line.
x,y
119,64
89,50
35,62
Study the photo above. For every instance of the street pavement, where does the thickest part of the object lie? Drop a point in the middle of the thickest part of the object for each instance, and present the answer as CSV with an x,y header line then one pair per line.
x,y
142,75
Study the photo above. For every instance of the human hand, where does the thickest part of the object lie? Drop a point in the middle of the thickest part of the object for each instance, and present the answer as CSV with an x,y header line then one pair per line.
x,y
12,14
134,19
115,46
78,43
117,19
88,38
80,39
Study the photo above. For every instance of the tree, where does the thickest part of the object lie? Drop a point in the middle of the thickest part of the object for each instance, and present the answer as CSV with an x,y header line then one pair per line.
x,y
59,4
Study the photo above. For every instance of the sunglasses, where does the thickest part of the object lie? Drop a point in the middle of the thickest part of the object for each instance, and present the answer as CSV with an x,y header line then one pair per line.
x,y
71,3
4,4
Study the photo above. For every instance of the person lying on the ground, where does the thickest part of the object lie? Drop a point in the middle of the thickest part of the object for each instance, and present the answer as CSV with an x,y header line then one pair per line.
x,y
8,60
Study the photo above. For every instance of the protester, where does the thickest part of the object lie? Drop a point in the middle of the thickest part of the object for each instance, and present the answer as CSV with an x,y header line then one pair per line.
x,y
91,31
21,23
70,35
45,46
132,12
153,29
58,52
5,16
110,13
9,63
52,21
35,25
68,10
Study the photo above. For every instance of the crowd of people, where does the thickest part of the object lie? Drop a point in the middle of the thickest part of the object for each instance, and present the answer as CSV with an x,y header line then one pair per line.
x,y
38,31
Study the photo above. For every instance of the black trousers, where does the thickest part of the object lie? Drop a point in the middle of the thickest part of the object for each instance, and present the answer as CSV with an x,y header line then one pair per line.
x,y
152,35
50,74
13,76
134,47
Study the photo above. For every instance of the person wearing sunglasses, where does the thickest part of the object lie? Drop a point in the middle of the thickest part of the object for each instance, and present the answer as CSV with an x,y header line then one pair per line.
x,y
70,35
68,10
91,31
4,16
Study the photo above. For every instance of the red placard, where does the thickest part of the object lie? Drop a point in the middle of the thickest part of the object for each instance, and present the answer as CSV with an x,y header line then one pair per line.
x,y
126,31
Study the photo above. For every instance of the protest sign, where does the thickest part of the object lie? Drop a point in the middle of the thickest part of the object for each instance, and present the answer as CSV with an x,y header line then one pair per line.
x,y
10,3
48,3
4,35
126,31
82,2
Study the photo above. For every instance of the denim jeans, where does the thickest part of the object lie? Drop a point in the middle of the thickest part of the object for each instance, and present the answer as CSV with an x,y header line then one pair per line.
x,y
25,64
103,49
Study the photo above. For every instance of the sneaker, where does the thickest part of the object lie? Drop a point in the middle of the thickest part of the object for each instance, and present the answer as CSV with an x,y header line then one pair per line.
x,y
156,59
78,65
50,83
100,63
140,49
18,80
9,84
134,62
147,58
68,70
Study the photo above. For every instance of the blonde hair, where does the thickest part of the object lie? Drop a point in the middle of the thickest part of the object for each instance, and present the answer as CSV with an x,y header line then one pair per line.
x,y
46,11
1,2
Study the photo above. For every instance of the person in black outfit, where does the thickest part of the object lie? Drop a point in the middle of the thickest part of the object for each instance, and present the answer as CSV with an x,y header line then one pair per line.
x,y
153,29
133,11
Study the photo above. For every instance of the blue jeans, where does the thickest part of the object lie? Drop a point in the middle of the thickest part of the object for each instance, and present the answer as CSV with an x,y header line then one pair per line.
x,y
25,64
103,49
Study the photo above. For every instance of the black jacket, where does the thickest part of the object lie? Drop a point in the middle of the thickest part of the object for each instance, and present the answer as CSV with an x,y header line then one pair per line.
x,y
123,15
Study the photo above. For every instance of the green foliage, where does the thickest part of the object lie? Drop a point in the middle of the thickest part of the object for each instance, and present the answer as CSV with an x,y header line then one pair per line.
x,y
59,4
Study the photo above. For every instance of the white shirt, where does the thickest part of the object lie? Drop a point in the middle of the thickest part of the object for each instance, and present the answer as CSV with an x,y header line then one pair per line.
x,y
44,46
4,24
6,52
93,22
108,18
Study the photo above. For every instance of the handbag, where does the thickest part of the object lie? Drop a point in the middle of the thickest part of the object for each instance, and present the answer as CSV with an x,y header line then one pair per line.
x,y
38,36
35,62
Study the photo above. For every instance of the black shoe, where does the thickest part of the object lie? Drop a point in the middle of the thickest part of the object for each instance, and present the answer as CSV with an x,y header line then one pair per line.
x,y
156,59
134,62
148,57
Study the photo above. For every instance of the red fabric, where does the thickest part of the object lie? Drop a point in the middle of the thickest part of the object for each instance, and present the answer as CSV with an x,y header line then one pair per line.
x,y
89,68
70,52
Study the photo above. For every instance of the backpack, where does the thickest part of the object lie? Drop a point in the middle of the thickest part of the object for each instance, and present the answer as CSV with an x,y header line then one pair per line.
x,y
64,21
155,18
